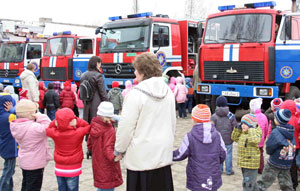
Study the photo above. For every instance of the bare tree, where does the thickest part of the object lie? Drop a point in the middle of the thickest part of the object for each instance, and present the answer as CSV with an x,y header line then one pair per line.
x,y
197,9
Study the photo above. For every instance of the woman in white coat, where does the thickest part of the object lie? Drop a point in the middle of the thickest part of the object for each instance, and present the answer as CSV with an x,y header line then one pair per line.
x,y
146,129
30,83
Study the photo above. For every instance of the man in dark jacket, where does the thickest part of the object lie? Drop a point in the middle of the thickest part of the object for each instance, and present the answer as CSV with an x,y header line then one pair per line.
x,y
51,101
225,122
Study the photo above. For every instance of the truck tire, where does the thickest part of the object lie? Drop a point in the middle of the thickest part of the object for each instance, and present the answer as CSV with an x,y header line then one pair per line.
x,y
293,93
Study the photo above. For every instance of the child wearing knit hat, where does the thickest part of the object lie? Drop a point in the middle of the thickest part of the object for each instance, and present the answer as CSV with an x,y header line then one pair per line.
x,y
205,148
274,106
225,122
248,135
29,130
115,97
107,172
262,120
281,148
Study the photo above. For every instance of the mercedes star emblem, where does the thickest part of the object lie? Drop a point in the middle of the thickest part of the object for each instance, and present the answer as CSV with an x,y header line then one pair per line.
x,y
118,69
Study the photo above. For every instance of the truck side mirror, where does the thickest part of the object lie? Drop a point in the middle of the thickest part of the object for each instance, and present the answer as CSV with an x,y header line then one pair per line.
x,y
99,30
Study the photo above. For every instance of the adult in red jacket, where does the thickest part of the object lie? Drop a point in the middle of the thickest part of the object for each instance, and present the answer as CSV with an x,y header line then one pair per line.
x,y
67,131
67,97
107,173
291,105
42,91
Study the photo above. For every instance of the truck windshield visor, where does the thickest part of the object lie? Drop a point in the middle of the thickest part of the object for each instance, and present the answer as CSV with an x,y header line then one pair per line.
x,y
125,38
12,52
59,47
240,28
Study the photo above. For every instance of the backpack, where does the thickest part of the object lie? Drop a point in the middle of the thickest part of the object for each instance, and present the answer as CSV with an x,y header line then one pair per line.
x,y
86,92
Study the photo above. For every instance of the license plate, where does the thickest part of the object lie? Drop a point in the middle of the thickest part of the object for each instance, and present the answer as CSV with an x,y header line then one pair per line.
x,y
6,81
231,93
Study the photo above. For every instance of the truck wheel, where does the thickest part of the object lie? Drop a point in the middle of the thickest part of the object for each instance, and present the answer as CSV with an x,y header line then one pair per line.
x,y
293,93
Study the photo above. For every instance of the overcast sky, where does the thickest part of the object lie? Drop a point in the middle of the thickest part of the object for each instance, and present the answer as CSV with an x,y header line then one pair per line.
x,y
97,12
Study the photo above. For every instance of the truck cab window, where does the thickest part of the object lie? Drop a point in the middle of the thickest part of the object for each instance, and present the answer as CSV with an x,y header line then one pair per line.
x,y
84,46
164,41
34,51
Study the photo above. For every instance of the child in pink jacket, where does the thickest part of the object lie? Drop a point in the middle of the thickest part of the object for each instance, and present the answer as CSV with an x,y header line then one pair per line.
x,y
180,93
262,120
128,86
29,130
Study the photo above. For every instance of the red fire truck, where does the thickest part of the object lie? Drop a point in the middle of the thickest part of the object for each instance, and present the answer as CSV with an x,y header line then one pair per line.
x,y
174,42
66,56
14,57
243,54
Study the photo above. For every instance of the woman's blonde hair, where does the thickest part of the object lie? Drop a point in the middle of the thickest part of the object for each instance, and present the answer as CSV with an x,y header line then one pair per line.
x,y
107,119
148,65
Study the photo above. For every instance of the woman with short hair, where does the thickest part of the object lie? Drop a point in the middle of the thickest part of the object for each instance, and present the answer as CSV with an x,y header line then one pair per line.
x,y
146,129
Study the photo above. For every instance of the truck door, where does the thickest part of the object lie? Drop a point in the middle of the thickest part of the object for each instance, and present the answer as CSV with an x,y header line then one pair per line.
x,y
85,49
287,56
34,53
161,44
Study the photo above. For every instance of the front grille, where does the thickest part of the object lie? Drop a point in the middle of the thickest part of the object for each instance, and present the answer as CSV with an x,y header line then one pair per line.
x,y
8,73
111,70
225,71
54,73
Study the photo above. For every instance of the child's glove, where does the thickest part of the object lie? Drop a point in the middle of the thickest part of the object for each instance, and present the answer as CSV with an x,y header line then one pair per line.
x,y
239,126
116,117
118,158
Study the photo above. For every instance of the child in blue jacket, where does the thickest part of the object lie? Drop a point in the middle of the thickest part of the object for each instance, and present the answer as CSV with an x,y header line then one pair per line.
x,y
281,147
8,145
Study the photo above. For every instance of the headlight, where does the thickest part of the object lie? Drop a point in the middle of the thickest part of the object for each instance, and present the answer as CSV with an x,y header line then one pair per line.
x,y
203,88
267,92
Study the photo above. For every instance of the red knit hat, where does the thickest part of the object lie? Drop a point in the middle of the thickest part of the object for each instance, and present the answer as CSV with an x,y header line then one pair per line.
x,y
115,84
276,103
201,113
23,92
67,83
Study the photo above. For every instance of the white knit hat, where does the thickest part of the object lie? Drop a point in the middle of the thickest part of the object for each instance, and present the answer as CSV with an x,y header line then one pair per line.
x,y
106,109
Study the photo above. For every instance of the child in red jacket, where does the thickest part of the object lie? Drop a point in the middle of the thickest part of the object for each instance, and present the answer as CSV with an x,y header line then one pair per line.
x,y
42,91
107,172
67,132
67,97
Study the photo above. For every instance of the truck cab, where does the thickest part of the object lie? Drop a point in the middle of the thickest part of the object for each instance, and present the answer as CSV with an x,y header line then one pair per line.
x,y
66,56
14,57
173,42
243,55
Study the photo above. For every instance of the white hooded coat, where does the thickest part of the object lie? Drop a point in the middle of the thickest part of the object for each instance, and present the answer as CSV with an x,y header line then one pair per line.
x,y
30,83
147,126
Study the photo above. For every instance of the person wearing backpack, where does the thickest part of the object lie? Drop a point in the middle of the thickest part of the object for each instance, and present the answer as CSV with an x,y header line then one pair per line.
x,y
97,90
115,97
92,90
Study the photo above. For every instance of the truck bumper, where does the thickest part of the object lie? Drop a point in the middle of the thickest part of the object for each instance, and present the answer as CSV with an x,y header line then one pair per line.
x,y
15,82
108,82
243,91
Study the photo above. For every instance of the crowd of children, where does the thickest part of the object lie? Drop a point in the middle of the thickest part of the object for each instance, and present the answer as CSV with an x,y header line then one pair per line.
x,y
209,144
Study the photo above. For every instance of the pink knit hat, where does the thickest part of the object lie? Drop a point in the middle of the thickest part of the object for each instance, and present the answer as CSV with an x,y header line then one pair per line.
x,y
201,113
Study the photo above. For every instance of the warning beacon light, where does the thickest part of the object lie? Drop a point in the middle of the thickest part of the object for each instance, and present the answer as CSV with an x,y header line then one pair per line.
x,y
226,7
62,33
271,4
147,14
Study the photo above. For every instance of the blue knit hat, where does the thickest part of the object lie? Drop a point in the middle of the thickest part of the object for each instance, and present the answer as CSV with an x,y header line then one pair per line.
x,y
221,101
283,116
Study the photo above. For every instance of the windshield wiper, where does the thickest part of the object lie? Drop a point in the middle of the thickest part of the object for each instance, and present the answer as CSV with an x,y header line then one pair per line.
x,y
228,39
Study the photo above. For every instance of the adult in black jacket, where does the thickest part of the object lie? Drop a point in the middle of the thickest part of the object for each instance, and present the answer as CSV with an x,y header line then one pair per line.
x,y
51,101
94,76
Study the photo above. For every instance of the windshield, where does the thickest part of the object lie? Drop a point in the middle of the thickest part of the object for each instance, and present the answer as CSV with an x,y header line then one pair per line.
x,y
239,29
59,47
129,38
12,52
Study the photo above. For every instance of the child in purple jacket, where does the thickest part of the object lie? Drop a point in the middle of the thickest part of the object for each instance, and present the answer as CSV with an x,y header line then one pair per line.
x,y
205,148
